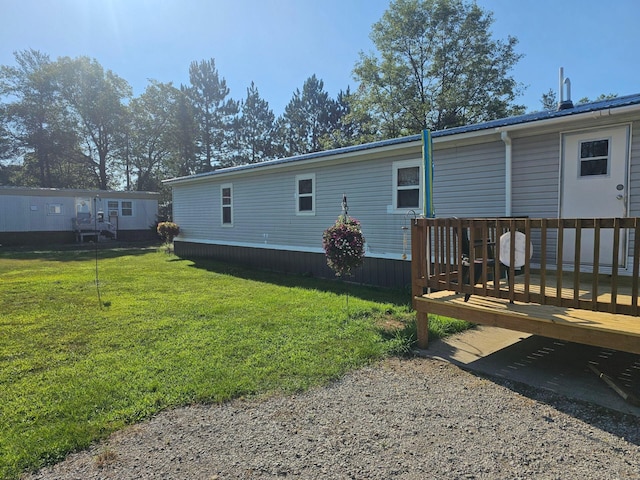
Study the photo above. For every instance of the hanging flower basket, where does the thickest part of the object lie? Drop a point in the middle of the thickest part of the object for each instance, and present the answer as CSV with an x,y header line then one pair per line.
x,y
343,245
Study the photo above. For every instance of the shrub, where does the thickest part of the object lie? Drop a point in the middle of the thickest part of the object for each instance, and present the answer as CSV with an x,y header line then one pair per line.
x,y
168,231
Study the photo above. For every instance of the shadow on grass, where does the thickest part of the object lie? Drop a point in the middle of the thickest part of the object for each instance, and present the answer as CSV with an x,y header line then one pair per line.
x,y
78,252
338,286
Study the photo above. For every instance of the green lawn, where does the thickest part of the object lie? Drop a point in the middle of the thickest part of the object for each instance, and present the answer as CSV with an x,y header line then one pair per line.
x,y
167,332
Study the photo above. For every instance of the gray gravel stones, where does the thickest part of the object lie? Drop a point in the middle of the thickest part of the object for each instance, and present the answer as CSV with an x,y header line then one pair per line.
x,y
405,419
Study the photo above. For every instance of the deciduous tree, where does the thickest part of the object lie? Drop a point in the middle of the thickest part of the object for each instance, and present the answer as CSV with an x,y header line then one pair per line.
x,y
150,143
37,133
436,67
96,99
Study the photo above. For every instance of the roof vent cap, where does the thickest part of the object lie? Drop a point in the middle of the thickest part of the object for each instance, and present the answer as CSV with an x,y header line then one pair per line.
x,y
564,82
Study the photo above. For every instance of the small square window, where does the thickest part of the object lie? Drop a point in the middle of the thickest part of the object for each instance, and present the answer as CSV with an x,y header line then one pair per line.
x,y
127,208
54,209
408,198
408,176
305,204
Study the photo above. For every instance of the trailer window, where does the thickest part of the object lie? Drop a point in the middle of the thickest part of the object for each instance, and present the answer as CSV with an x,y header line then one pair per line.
x,y
305,194
127,208
54,209
407,185
226,202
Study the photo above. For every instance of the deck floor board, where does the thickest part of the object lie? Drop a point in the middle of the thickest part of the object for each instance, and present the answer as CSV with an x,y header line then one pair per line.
x,y
616,331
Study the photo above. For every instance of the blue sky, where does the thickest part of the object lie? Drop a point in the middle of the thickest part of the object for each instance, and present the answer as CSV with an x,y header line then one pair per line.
x,y
278,44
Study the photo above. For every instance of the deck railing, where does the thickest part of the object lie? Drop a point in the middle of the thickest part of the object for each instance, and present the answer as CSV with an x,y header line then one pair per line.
x,y
591,264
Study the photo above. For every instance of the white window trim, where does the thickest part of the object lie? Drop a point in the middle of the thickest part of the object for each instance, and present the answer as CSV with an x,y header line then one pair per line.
x,y
394,186
223,206
312,177
133,212
60,209
607,157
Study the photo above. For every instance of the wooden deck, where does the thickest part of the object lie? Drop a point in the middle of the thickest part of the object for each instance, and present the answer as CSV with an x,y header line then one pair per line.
x,y
615,331
553,301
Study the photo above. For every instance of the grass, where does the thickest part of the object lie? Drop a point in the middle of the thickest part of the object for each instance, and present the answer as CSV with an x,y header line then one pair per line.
x,y
167,332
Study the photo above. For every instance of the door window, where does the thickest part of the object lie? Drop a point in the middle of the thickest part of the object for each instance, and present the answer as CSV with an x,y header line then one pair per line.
x,y
594,158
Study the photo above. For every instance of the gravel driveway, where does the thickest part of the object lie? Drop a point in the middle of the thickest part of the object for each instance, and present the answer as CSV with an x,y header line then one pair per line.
x,y
407,419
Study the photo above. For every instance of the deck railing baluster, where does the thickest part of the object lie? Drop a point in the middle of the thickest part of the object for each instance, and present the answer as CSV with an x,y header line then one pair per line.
x,y
636,266
575,297
596,263
527,263
558,299
543,261
614,265
436,250
512,259
459,252
497,270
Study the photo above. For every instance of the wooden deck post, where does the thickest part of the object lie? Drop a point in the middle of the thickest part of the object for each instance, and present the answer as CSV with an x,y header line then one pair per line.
x,y
422,324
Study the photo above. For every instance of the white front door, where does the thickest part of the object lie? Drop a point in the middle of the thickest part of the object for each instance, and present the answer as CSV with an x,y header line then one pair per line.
x,y
594,185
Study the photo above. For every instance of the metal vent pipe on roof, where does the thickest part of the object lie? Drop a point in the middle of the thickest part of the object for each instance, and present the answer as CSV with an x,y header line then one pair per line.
x,y
562,103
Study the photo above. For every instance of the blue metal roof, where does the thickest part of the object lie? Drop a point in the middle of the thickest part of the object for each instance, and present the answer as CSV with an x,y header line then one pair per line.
x,y
490,125
546,115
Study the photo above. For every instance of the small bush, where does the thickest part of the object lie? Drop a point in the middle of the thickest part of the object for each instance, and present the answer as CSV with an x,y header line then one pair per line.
x,y
168,231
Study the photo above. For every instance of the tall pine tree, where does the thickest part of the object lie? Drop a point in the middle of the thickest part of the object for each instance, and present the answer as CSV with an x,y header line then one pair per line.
x,y
215,113
255,129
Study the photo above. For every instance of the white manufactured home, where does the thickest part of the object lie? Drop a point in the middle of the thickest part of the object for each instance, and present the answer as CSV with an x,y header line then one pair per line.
x,y
30,216
581,161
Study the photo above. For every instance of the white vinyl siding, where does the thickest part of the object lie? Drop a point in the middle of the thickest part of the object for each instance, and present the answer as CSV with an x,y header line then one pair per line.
x,y
634,177
633,206
469,181
535,169
266,216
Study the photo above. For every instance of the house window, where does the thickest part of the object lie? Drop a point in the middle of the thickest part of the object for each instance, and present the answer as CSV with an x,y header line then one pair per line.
x,y
407,185
54,209
306,194
113,207
127,208
594,158
226,192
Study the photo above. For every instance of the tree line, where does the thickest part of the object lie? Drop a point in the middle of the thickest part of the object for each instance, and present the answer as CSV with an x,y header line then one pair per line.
x,y
69,123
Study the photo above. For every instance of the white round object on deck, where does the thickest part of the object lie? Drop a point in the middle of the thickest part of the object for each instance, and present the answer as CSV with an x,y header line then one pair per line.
x,y
520,249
